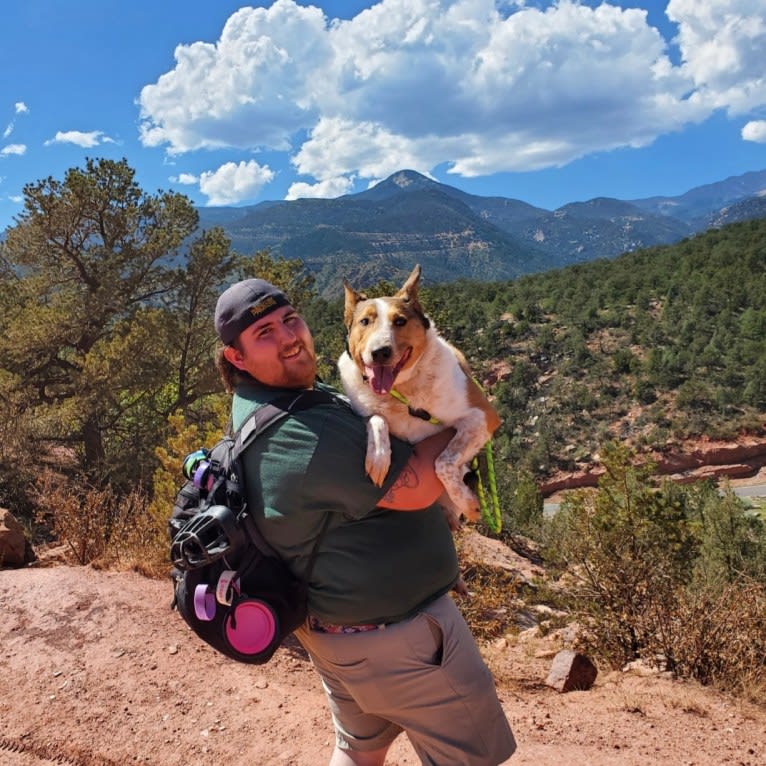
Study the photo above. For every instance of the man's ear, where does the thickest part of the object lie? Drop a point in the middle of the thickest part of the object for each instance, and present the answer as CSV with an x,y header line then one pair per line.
x,y
234,356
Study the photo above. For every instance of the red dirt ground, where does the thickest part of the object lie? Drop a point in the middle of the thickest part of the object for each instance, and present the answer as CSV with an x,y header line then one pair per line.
x,y
96,670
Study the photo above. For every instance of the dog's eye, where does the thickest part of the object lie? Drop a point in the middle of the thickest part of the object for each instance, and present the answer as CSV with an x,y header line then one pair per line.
x,y
400,321
364,321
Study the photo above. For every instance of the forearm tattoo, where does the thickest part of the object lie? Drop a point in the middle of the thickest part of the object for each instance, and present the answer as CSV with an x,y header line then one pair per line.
x,y
407,479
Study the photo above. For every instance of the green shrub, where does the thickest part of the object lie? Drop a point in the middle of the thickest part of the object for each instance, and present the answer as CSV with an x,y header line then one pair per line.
x,y
674,575
732,537
626,550
523,506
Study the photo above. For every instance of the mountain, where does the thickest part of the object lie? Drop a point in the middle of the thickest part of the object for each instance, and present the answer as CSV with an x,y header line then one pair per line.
x,y
698,204
744,210
407,218
380,233
584,231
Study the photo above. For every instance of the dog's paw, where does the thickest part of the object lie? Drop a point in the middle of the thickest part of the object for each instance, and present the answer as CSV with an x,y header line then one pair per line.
x,y
378,458
376,466
466,504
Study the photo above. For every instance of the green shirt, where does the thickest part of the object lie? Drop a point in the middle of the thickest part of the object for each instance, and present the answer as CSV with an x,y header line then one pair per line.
x,y
373,565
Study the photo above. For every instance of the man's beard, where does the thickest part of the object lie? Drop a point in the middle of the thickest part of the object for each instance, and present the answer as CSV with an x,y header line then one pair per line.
x,y
301,374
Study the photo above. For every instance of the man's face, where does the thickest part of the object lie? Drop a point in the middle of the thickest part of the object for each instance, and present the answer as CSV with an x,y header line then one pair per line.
x,y
277,350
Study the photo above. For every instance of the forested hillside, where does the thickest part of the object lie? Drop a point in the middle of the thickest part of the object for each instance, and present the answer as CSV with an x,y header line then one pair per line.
x,y
651,347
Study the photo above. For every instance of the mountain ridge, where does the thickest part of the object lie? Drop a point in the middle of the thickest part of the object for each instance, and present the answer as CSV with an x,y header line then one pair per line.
x,y
407,218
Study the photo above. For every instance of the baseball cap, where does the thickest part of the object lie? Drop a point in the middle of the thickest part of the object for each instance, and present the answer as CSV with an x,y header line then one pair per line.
x,y
244,303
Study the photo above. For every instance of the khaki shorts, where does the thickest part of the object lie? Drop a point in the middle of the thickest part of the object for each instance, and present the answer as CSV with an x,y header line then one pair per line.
x,y
424,676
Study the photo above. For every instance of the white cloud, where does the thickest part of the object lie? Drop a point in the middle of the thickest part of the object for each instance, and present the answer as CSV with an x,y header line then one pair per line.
x,y
723,44
329,188
251,88
19,108
16,198
79,138
187,179
482,85
17,149
755,131
339,146
233,183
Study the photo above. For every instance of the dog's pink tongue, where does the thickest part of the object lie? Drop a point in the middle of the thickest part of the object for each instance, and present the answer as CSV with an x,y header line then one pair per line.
x,y
381,378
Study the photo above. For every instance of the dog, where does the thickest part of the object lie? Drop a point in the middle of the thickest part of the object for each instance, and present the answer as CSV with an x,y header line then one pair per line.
x,y
401,374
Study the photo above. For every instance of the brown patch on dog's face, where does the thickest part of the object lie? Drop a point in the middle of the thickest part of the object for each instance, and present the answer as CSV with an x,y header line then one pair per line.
x,y
385,335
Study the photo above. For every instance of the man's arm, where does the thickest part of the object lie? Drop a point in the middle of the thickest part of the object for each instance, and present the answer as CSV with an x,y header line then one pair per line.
x,y
417,486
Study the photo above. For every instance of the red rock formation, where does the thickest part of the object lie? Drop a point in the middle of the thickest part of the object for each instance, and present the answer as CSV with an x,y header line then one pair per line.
x,y
705,459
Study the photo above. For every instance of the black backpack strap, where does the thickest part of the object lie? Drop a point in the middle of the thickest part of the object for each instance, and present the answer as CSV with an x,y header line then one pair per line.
x,y
268,414
257,422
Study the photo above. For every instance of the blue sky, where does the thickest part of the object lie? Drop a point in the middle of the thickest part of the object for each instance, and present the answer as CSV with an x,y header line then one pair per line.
x,y
548,102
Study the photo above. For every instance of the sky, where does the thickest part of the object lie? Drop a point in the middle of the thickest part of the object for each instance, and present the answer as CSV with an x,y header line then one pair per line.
x,y
232,104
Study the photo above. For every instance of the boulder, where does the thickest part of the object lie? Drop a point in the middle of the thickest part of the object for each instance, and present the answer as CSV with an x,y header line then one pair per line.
x,y
571,671
476,548
15,550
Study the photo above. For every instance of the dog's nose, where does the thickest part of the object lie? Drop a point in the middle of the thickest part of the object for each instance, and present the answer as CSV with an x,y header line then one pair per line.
x,y
382,355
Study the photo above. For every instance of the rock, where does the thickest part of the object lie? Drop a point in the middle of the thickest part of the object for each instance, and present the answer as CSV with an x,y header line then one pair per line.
x,y
736,471
475,547
573,480
571,671
692,461
641,668
526,619
15,550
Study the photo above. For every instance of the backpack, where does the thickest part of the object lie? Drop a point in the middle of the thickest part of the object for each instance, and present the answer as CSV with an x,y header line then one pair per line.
x,y
230,586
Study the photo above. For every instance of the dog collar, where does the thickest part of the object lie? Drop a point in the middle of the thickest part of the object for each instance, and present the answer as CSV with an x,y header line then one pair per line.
x,y
416,413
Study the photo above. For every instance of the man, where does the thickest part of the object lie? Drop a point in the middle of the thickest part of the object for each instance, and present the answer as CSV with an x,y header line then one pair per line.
x,y
392,649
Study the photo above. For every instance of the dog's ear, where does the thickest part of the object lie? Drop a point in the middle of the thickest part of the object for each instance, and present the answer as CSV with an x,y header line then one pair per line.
x,y
409,294
409,290
352,298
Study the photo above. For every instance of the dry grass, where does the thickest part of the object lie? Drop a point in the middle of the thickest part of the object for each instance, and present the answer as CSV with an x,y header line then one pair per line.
x,y
101,528
490,610
721,637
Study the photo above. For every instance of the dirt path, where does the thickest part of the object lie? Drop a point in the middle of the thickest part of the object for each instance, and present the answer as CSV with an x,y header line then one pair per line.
x,y
95,670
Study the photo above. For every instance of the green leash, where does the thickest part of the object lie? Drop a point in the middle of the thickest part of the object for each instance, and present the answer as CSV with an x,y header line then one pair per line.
x,y
490,506
489,503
